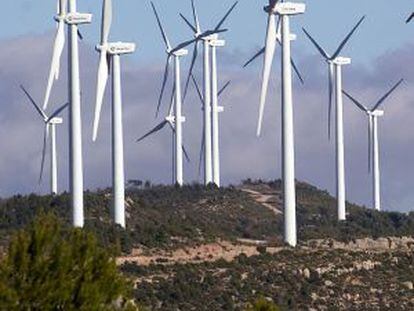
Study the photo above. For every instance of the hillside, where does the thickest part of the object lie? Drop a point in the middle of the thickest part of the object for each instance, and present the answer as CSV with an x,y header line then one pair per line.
x,y
196,248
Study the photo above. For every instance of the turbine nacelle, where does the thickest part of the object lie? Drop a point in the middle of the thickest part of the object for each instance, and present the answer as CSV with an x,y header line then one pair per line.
x,y
78,18
180,53
56,121
376,113
171,119
341,61
217,43
120,48
289,8
210,37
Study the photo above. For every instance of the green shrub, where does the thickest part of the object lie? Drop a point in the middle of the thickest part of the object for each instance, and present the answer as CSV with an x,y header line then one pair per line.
x,y
50,266
262,304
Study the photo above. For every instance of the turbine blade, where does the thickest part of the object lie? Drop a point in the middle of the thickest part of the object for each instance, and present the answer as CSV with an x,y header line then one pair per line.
x,y
267,67
163,33
200,96
226,16
296,69
156,129
190,72
195,15
261,51
106,21
318,47
357,103
183,45
62,7
164,84
58,47
38,109
42,164
186,154
57,112
188,23
103,73
331,77
80,36
410,18
171,109
224,88
345,41
381,101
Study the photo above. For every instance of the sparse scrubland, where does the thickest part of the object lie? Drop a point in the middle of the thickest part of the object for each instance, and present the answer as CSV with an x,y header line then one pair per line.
x,y
197,248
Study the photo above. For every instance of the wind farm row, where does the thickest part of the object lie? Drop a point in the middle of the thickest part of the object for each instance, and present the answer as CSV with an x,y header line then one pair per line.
x,y
207,41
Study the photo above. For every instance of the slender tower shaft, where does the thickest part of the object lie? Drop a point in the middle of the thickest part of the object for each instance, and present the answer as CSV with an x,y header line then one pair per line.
x,y
53,160
208,170
376,168
215,117
75,125
178,125
118,177
288,149
340,154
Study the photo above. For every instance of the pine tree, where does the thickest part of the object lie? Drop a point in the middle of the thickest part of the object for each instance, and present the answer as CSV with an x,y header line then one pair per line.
x,y
52,267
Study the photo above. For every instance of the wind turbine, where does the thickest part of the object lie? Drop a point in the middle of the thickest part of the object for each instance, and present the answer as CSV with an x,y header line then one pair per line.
x,y
170,121
178,119
373,144
50,128
111,53
73,20
205,37
335,63
285,10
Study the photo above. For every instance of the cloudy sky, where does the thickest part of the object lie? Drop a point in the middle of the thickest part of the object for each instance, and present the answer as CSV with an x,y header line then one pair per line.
x,y
382,53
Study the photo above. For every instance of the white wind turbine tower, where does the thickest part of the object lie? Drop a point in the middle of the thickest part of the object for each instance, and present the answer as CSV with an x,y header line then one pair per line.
x,y
178,119
373,141
206,37
73,19
335,63
215,95
50,130
285,10
111,53
215,110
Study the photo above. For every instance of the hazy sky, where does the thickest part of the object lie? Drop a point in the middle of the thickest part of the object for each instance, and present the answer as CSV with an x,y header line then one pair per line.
x,y
382,52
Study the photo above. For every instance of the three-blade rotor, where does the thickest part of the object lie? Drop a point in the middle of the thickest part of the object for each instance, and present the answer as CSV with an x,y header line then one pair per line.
x,y
47,121
370,113
331,66
200,36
